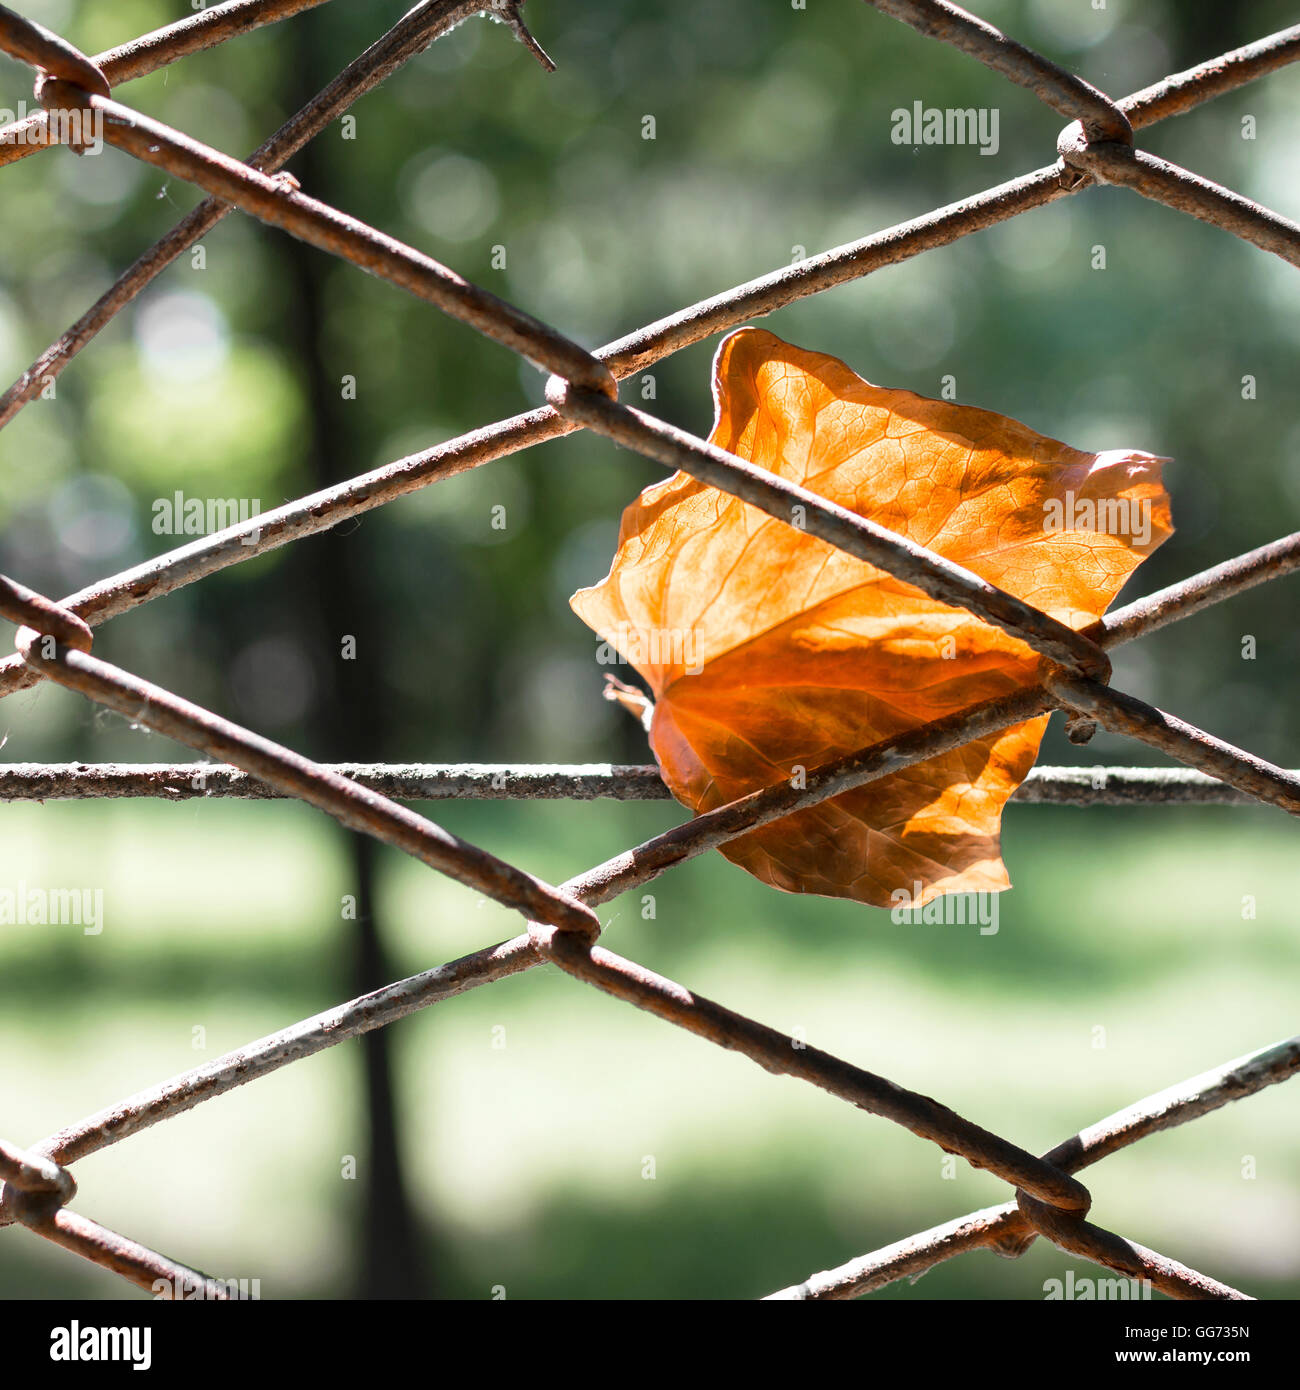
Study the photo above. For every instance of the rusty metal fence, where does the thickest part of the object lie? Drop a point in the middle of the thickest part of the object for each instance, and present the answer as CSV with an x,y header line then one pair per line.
x,y
54,638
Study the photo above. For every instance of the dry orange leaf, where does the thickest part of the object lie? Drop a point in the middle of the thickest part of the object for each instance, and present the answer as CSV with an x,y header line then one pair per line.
x,y
769,651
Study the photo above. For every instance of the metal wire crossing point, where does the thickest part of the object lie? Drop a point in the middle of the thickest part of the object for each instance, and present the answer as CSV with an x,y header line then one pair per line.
x,y
560,926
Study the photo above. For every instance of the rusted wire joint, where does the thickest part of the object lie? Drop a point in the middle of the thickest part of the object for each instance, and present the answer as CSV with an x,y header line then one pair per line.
x,y
55,61
49,54
38,616
32,1187
1092,159
1071,1233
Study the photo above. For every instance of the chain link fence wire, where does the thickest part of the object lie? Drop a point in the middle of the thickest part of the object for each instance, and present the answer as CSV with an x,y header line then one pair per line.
x,y
55,637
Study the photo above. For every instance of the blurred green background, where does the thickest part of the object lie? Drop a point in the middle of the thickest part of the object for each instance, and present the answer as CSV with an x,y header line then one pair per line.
x,y
523,1165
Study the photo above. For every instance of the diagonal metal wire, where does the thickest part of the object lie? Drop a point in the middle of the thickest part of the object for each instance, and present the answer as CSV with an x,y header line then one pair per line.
x,y
147,54
353,806
408,37
34,1191
281,205
55,638
1002,1227
625,357
1067,94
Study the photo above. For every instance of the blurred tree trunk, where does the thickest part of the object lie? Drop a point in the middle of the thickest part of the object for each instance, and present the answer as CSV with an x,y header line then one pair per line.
x,y
336,593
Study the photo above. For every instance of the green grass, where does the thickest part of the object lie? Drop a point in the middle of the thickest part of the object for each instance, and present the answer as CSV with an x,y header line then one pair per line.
x,y
528,1161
